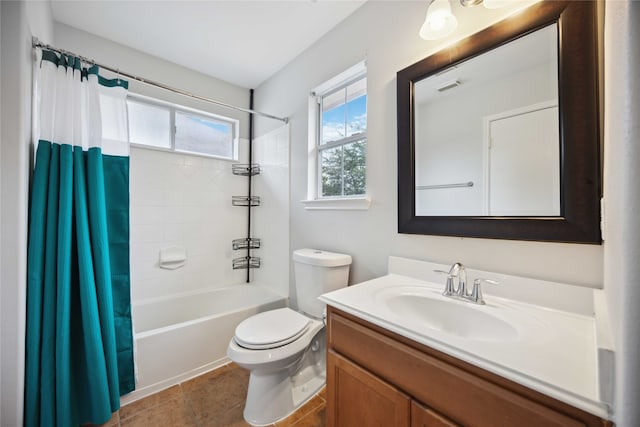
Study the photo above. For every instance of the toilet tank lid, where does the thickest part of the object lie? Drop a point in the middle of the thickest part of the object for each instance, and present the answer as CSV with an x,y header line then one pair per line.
x,y
321,258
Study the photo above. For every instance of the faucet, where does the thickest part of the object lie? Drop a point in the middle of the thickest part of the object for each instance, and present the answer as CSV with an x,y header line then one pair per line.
x,y
460,292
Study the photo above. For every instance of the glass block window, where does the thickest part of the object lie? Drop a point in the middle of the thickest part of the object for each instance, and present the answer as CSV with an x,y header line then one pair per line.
x,y
160,125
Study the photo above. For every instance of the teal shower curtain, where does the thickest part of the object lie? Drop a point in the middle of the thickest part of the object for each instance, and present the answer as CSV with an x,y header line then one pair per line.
x,y
79,347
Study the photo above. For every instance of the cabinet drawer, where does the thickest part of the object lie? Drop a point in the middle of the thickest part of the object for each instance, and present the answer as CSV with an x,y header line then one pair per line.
x,y
460,395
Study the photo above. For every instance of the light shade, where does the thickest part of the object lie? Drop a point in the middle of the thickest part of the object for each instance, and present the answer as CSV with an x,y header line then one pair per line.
x,y
496,4
440,22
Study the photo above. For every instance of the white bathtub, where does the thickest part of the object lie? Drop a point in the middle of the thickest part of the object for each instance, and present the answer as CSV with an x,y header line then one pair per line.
x,y
179,337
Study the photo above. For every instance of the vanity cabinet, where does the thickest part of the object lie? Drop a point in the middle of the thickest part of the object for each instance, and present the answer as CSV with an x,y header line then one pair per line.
x,y
378,378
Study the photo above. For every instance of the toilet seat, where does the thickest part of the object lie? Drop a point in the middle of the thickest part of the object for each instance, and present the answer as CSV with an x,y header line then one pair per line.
x,y
271,329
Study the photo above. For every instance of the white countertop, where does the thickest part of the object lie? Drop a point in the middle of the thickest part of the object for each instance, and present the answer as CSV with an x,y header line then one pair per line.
x,y
553,351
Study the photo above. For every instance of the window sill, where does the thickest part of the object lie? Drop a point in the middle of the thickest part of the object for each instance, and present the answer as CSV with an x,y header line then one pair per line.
x,y
342,204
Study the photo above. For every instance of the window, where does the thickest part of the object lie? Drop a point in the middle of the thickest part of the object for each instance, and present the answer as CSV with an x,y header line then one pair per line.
x,y
165,126
342,144
149,124
338,140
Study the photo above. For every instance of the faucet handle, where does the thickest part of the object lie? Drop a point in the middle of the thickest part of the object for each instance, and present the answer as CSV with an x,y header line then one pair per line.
x,y
476,293
448,289
444,272
483,280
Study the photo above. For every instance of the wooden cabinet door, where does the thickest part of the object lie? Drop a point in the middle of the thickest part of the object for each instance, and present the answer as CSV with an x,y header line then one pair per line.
x,y
356,398
426,417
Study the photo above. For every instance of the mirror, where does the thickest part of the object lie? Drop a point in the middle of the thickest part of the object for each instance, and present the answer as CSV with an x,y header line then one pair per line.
x,y
498,135
498,156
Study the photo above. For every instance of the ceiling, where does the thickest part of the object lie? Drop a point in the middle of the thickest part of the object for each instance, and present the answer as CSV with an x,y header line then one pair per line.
x,y
242,42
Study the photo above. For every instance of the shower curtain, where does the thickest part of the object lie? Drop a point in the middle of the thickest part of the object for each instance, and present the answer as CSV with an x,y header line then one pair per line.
x,y
79,347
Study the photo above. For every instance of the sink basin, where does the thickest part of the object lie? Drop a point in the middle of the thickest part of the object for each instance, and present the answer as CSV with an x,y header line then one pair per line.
x,y
449,316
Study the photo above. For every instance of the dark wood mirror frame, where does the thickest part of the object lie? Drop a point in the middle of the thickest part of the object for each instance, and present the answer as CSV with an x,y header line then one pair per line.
x,y
580,170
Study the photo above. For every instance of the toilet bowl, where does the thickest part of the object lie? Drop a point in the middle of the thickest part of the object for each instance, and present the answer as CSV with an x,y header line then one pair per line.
x,y
283,349
272,393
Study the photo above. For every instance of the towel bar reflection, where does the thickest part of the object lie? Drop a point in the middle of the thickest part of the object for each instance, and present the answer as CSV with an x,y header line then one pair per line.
x,y
437,186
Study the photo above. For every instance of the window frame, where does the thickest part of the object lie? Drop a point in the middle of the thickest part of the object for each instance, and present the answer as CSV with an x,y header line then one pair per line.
x,y
315,199
174,108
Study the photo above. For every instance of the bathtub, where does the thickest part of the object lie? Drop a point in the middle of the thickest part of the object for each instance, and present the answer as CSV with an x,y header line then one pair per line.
x,y
179,337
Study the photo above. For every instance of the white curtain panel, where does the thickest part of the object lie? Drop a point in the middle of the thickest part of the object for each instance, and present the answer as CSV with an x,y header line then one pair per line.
x,y
81,114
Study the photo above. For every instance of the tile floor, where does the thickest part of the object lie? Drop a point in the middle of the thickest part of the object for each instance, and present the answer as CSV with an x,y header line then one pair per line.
x,y
214,399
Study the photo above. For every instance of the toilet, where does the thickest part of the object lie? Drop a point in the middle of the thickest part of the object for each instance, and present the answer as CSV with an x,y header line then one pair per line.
x,y
283,349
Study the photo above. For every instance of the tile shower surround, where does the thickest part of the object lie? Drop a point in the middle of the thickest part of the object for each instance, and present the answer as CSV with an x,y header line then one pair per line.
x,y
183,200
214,399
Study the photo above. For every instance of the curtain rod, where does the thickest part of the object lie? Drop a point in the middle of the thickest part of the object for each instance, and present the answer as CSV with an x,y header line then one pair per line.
x,y
35,43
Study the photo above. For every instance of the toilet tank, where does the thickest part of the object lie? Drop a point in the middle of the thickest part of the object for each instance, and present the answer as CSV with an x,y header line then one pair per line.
x,y
317,272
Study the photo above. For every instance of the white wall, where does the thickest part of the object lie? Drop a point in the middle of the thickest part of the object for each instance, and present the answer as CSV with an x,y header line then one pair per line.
x,y
622,176
386,35
20,21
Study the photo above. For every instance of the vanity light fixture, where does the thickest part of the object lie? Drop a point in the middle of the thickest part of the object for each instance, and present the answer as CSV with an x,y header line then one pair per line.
x,y
440,20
